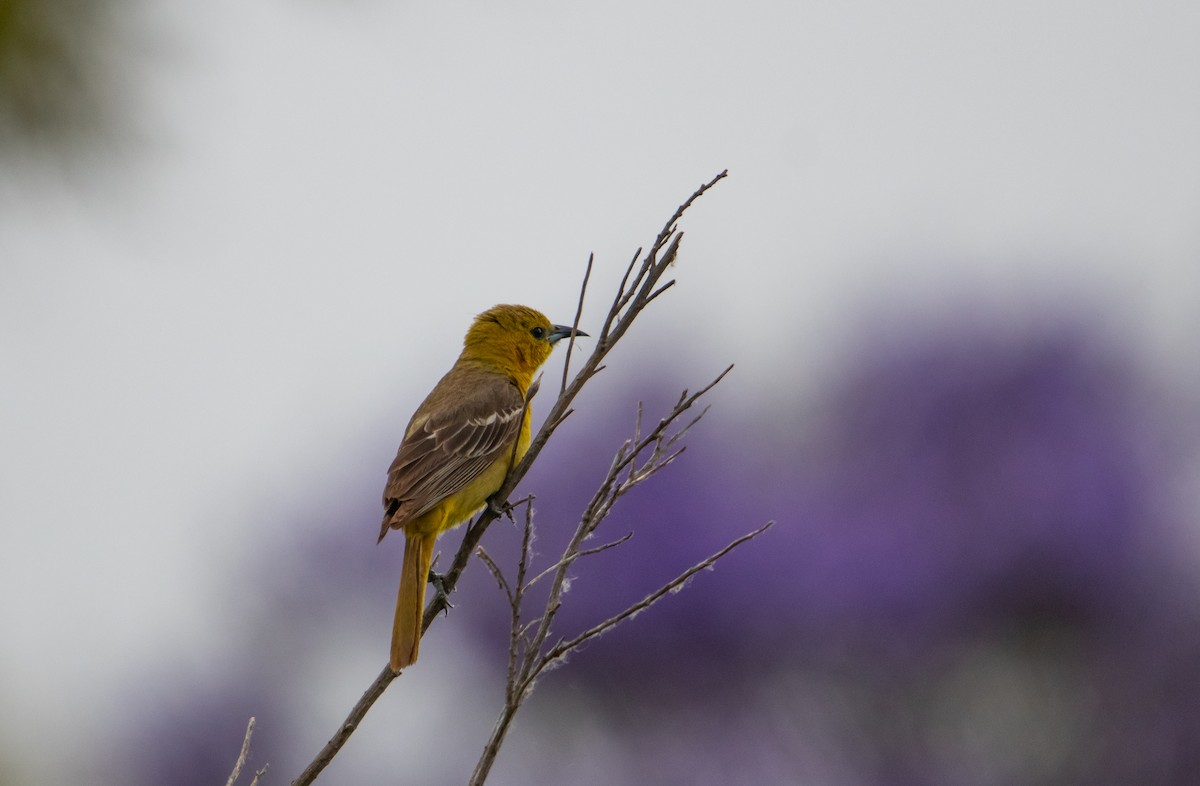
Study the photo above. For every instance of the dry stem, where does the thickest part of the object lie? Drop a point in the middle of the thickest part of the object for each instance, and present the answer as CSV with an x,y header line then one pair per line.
x,y
528,654
241,759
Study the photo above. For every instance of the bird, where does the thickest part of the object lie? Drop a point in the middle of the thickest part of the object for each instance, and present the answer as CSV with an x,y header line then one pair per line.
x,y
459,446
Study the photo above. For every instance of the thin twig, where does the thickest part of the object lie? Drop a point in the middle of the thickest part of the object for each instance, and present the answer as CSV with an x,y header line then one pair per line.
x,y
360,709
564,648
495,571
241,759
587,274
617,301
585,553
515,631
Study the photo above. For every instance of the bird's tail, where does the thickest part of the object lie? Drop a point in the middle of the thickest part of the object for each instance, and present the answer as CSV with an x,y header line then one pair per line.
x,y
410,601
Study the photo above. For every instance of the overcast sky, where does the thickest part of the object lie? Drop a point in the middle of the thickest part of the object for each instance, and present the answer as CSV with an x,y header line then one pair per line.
x,y
310,200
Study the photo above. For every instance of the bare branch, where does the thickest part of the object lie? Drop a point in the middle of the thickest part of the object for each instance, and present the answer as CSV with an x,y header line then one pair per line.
x,y
585,553
678,435
516,632
660,290
495,570
563,417
564,648
619,300
338,740
527,654
587,274
669,227
628,457
241,759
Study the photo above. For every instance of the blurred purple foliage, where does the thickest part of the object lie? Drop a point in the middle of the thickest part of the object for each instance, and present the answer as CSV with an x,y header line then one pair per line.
x,y
970,581
959,477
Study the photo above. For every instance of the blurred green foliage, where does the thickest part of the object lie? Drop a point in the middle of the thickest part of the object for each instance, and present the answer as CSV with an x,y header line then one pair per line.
x,y
58,74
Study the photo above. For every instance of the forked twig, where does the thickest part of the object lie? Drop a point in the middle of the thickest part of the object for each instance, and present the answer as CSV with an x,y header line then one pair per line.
x,y
241,759
529,656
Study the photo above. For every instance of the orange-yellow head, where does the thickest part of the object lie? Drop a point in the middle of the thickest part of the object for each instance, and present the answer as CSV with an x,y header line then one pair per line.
x,y
513,339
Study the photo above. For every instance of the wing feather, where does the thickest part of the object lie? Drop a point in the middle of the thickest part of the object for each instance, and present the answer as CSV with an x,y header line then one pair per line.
x,y
461,430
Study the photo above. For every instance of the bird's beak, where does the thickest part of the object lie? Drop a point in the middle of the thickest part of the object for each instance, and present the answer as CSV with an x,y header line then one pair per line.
x,y
562,331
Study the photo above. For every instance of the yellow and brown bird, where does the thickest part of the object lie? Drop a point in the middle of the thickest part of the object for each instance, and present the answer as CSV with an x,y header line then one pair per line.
x,y
459,446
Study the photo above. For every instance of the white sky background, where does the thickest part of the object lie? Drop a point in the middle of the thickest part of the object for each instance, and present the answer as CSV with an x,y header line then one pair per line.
x,y
319,196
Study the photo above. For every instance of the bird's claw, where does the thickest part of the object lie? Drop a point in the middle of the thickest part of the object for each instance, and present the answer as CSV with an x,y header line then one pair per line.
x,y
438,580
501,508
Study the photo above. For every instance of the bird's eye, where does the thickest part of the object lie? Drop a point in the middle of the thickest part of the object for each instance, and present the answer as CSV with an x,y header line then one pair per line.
x,y
538,332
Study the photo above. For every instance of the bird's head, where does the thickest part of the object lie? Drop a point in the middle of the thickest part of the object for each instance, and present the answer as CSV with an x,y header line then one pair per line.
x,y
517,339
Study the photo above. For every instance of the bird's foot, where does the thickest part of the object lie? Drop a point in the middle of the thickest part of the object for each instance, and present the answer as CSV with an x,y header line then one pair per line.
x,y
500,508
438,580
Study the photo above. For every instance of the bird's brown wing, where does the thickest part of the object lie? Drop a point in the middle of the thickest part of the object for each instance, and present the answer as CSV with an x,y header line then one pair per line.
x,y
458,432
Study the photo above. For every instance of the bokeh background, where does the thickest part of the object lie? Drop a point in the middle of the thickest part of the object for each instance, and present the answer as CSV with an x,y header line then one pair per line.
x,y
955,264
